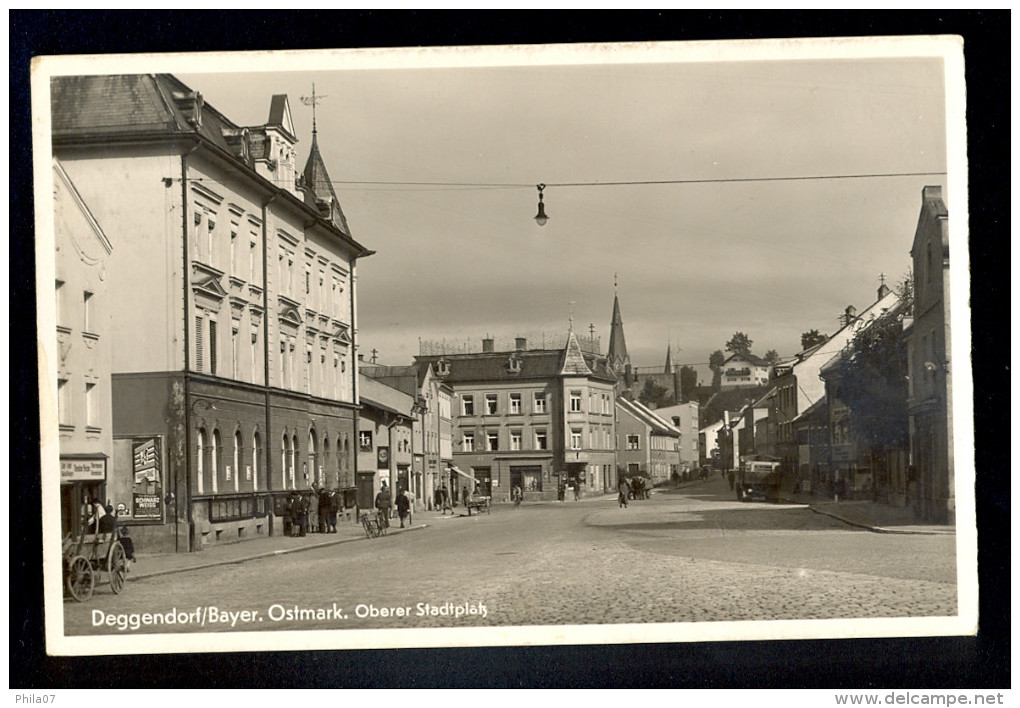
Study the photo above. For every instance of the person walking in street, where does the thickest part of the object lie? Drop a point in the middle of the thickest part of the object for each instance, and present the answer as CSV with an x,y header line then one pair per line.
x,y
301,506
624,489
384,503
323,508
403,507
332,510
577,490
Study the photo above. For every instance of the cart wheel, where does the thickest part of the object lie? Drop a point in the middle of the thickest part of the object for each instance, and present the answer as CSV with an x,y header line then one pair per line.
x,y
116,566
80,580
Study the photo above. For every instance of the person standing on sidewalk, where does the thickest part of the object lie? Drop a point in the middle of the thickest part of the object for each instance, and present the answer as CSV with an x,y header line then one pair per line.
x,y
624,489
383,503
403,507
333,509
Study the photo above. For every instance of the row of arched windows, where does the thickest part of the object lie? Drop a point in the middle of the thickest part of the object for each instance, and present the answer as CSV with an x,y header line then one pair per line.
x,y
240,469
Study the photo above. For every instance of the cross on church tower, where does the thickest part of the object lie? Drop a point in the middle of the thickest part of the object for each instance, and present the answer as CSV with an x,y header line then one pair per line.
x,y
881,278
375,352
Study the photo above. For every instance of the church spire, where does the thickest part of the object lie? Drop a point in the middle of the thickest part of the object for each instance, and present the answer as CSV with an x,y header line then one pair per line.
x,y
617,358
669,360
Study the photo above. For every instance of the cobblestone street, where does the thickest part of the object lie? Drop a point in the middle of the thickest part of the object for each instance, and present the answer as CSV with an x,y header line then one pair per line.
x,y
689,555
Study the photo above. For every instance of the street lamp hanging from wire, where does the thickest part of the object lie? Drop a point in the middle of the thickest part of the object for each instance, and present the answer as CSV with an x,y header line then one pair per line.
x,y
541,218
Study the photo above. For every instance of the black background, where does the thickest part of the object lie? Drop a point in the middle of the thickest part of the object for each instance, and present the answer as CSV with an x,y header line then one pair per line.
x,y
967,662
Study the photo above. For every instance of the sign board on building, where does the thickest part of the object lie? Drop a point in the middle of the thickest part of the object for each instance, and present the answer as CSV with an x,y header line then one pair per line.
x,y
89,470
147,466
147,507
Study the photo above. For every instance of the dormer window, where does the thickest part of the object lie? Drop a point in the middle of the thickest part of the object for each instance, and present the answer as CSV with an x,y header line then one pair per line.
x,y
443,367
514,364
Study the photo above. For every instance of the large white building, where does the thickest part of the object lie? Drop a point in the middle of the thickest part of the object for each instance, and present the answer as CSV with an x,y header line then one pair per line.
x,y
234,371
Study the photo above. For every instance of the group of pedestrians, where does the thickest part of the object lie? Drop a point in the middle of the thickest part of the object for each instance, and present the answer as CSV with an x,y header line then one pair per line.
x,y
633,488
298,510
384,506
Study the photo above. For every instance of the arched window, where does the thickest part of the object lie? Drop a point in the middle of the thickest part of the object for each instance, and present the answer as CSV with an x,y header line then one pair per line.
x,y
255,452
929,264
285,460
312,468
214,468
237,460
293,461
200,461
325,457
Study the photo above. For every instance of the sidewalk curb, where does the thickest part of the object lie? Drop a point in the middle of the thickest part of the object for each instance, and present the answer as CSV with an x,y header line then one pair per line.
x,y
883,529
257,556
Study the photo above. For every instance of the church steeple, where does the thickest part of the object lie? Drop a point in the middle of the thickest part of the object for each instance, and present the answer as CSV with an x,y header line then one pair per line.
x,y
617,358
669,360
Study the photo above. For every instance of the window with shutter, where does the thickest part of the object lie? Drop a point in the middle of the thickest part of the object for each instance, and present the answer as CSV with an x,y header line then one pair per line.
x,y
198,343
212,346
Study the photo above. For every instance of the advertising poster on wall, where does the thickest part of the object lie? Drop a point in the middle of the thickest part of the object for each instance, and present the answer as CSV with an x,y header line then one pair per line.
x,y
148,479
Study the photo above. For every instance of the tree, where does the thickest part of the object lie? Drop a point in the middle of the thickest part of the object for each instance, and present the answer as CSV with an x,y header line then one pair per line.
x,y
812,338
873,380
715,362
655,396
772,357
688,381
739,343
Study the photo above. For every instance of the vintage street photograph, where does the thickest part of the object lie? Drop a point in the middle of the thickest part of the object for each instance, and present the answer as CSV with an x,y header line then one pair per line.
x,y
533,345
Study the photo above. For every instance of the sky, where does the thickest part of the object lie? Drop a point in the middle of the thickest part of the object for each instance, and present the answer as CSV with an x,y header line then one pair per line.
x,y
705,239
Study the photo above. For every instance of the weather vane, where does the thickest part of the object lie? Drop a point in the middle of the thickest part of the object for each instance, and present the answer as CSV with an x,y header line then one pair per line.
x,y
312,101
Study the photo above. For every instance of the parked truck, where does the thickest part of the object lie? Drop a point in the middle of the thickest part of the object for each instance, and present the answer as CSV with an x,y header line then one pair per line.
x,y
758,480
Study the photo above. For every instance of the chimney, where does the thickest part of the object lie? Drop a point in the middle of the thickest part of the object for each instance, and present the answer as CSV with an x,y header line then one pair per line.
x,y
361,357
190,104
488,345
521,343
849,315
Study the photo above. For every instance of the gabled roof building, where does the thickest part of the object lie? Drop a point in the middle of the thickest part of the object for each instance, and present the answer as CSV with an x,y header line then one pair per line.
x,y
535,418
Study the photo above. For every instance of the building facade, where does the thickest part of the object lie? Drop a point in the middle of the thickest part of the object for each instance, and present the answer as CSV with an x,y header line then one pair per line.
x,y
83,314
684,417
647,445
432,429
534,418
798,385
386,428
233,344
743,370
929,401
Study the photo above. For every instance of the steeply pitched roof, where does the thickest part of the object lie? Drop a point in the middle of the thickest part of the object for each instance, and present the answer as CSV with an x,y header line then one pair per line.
x,y
319,192
618,356
280,116
573,359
